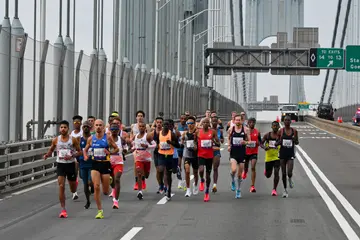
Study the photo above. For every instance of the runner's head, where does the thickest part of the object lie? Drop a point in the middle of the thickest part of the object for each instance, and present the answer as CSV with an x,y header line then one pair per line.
x,y
287,121
213,113
91,120
140,116
172,124
207,113
187,114
237,120
117,121
166,124
114,129
243,115
206,123
251,123
214,122
233,114
77,122
64,127
190,122
110,119
99,126
142,127
275,126
183,119
86,126
159,121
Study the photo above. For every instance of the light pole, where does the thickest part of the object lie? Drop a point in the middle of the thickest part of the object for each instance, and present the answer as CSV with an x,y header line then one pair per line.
x,y
156,31
187,20
200,35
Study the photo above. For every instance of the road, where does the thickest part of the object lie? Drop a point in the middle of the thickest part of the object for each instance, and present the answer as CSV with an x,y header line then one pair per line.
x,y
312,211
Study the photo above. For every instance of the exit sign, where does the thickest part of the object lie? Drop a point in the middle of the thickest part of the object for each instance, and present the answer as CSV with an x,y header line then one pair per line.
x,y
353,58
326,58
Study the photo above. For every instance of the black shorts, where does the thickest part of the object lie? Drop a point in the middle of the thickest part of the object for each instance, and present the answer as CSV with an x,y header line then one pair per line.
x,y
168,162
102,167
251,157
180,152
272,164
67,170
194,162
207,162
238,159
156,158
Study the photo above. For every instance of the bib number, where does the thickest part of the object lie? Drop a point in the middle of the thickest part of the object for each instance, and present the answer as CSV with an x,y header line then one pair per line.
x,y
237,141
64,153
99,152
272,144
164,146
206,144
190,144
287,143
251,144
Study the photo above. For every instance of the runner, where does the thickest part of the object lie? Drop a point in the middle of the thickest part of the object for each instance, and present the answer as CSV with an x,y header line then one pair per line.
x,y
270,144
217,154
91,120
219,123
67,149
251,155
155,136
117,161
243,118
179,130
237,140
76,133
101,166
288,137
167,142
142,145
231,123
85,166
190,158
204,140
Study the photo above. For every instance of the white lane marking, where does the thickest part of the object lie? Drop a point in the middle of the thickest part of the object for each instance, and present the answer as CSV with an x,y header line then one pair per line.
x,y
221,149
164,200
191,177
348,207
34,187
1,199
130,234
345,226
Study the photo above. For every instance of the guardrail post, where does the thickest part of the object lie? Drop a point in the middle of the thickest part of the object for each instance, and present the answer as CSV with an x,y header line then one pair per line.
x,y
77,83
20,92
125,93
166,93
41,104
145,99
162,88
92,80
118,88
112,97
102,90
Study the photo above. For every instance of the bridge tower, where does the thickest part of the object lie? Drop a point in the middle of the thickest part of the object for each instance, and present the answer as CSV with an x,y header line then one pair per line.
x,y
265,18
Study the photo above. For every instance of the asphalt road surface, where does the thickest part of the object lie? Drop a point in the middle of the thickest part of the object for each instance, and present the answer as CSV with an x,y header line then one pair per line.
x,y
323,205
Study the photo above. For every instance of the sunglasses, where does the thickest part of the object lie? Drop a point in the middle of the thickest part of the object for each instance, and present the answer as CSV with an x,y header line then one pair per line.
x,y
114,129
190,123
86,126
77,122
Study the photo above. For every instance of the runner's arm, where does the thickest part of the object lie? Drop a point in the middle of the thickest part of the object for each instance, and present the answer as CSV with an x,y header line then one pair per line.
x,y
247,132
86,149
174,142
113,144
216,139
221,136
259,138
263,141
296,137
76,144
51,149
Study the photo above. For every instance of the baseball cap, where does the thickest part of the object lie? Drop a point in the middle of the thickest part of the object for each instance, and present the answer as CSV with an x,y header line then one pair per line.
x,y
86,123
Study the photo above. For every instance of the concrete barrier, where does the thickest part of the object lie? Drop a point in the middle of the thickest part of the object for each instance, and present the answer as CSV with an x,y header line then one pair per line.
x,y
341,129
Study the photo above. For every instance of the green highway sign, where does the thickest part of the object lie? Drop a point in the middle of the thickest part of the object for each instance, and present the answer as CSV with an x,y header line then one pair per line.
x,y
352,58
328,58
303,105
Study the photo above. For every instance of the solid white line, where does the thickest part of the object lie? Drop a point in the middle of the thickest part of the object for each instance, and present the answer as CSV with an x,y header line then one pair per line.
x,y
345,226
164,200
349,208
130,234
34,187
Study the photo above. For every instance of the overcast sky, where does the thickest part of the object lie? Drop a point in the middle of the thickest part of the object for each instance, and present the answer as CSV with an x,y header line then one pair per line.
x,y
267,84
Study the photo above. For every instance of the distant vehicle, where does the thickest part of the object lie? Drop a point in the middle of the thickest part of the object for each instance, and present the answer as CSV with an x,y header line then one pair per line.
x,y
356,118
326,111
290,110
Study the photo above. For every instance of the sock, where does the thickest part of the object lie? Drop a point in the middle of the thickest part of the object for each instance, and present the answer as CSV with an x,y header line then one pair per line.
x,y
207,191
143,178
239,183
136,179
232,177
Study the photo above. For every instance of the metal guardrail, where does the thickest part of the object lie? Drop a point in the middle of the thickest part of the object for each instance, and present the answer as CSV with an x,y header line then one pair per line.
x,y
22,163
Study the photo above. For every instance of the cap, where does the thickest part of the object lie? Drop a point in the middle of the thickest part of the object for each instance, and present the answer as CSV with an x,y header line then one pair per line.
x,y
86,123
114,114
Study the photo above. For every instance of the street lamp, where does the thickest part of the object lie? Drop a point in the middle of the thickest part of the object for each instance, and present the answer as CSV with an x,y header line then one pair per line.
x,y
156,30
200,35
188,20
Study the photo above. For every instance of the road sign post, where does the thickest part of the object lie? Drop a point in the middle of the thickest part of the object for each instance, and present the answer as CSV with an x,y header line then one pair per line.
x,y
352,58
327,58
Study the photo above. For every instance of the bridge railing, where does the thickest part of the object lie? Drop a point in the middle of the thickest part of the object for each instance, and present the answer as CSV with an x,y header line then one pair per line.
x,y
22,163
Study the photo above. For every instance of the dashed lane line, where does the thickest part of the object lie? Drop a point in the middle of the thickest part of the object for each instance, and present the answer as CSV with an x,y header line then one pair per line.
x,y
131,233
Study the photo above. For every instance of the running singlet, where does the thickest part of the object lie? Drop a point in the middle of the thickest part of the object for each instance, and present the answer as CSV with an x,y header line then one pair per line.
x,y
287,149
219,135
237,150
141,154
98,146
164,147
189,151
76,135
117,158
253,145
82,162
272,153
205,144
64,149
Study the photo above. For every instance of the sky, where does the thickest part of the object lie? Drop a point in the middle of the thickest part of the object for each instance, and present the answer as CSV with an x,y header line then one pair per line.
x,y
267,84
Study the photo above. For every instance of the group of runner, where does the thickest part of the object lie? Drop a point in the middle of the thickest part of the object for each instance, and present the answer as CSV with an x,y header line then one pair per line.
x,y
97,151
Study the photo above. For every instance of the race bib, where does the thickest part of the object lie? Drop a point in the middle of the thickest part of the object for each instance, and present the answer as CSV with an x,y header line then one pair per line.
x,y
64,152
190,143
237,141
138,145
251,144
206,144
90,152
287,143
272,144
116,159
164,146
99,152
142,156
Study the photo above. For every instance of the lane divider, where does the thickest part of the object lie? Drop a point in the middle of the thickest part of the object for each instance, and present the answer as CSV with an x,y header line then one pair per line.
x,y
131,233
